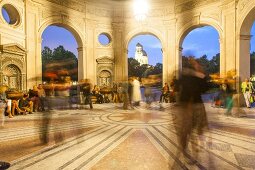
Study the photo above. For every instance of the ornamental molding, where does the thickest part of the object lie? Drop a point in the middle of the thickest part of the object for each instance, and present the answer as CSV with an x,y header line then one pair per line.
x,y
105,60
192,4
242,4
13,49
13,62
216,15
245,37
75,5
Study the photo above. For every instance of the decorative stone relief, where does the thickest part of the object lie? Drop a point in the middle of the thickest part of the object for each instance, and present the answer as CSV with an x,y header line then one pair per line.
x,y
192,4
214,15
12,64
76,6
103,12
241,5
157,13
118,13
104,71
90,10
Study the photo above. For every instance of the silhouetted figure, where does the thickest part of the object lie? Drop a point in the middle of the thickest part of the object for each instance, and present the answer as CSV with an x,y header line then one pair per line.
x,y
191,115
86,90
164,93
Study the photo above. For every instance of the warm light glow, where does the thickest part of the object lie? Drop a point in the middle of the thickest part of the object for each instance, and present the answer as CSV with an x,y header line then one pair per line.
x,y
141,8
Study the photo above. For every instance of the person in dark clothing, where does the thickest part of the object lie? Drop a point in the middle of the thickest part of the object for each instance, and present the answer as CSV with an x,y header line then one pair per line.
x,y
86,90
26,104
33,96
164,93
191,115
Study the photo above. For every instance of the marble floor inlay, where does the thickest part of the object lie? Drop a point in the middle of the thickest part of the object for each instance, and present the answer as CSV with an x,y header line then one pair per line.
x,y
108,137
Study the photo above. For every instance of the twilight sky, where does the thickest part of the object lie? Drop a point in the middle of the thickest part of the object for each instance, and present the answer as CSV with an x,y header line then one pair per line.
x,y
198,42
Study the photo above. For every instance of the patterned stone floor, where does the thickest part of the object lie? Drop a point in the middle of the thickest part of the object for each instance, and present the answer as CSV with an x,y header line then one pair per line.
x,y
109,137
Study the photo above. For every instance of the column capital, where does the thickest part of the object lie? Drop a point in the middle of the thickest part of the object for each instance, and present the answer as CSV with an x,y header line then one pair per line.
x,y
245,37
180,49
82,48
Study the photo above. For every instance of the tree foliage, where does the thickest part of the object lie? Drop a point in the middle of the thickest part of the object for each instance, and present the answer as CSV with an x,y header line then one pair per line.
x,y
252,68
209,66
60,62
137,70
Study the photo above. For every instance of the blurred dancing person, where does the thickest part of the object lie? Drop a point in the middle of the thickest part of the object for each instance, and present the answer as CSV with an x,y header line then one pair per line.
x,y
191,115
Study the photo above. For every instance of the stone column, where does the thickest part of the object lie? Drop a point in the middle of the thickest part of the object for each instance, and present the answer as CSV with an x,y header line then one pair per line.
x,y
222,58
244,57
178,62
38,62
120,53
82,63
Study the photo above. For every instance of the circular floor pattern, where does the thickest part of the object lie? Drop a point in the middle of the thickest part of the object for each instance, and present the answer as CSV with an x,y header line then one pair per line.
x,y
137,118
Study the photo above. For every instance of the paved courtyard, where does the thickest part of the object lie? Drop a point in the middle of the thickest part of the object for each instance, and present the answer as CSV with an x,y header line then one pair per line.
x,y
109,137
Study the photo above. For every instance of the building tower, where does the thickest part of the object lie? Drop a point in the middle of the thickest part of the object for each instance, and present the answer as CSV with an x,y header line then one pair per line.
x,y
140,54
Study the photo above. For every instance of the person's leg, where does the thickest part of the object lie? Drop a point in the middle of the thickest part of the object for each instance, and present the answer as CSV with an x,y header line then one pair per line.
x,y
161,97
2,111
246,99
90,101
8,108
30,107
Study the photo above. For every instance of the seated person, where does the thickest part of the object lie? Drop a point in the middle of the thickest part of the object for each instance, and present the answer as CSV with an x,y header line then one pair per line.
x,y
26,104
15,107
42,97
96,92
33,95
85,87
165,93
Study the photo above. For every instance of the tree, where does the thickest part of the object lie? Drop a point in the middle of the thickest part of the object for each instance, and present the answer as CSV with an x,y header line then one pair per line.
x,y
252,68
209,66
142,71
59,61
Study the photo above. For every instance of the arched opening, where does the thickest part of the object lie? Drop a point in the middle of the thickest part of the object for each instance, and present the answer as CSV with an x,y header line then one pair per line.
x,y
59,54
246,46
202,44
252,51
145,60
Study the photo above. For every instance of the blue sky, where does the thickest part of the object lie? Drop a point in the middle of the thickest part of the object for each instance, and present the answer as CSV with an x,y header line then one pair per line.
x,y
53,36
253,37
200,41
151,45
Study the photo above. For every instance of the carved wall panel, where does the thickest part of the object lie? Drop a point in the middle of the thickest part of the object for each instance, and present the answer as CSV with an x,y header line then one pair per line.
x,y
105,74
13,66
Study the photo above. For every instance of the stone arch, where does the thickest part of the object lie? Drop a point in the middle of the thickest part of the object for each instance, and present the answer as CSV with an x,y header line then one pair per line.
x,y
58,21
147,31
191,26
186,29
144,31
247,19
18,65
70,26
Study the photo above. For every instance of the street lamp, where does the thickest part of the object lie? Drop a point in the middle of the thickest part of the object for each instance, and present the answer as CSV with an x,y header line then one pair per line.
x,y
141,9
